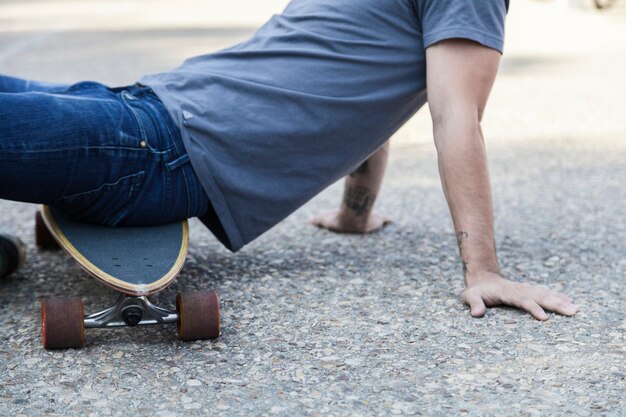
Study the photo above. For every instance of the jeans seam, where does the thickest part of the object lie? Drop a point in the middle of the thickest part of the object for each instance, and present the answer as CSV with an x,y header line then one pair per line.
x,y
132,192
170,172
135,116
169,131
129,185
137,176
169,193
187,191
150,112
79,148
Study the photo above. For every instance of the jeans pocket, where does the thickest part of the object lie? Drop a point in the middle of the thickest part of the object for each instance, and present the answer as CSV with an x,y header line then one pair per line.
x,y
108,204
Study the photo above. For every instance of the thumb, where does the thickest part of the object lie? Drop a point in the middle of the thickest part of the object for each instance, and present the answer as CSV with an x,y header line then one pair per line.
x,y
317,220
475,301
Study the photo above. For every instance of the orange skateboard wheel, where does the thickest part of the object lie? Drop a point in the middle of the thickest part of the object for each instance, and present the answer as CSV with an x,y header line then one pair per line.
x,y
62,323
199,315
43,237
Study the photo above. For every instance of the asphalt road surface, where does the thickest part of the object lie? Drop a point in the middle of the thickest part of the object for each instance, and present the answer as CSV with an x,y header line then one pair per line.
x,y
319,324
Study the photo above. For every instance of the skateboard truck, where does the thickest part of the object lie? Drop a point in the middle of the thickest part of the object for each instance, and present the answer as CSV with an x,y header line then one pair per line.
x,y
63,321
131,311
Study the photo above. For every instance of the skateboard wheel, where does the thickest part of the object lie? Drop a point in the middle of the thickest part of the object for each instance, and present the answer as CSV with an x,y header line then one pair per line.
x,y
43,237
4,263
12,253
199,315
62,323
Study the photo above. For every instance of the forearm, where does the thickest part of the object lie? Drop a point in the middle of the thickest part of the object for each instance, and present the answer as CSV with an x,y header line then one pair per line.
x,y
460,75
355,214
465,180
363,185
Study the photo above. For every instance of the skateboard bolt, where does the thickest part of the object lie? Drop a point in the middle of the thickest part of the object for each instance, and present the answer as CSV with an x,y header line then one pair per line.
x,y
132,315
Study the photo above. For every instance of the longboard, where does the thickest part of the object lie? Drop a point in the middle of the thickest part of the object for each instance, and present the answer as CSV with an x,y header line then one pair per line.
x,y
135,261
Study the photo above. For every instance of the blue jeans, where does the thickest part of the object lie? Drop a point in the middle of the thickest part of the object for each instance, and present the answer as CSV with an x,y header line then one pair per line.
x,y
104,155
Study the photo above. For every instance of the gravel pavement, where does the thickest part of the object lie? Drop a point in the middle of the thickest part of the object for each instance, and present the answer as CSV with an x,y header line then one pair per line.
x,y
317,324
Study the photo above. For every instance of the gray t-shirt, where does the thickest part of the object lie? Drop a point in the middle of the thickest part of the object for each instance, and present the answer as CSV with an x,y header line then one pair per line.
x,y
271,122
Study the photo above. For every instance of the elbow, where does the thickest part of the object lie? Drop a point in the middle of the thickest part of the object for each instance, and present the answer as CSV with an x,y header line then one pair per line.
x,y
454,127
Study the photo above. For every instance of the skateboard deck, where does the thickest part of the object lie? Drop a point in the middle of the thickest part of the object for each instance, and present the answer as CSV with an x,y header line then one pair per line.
x,y
135,261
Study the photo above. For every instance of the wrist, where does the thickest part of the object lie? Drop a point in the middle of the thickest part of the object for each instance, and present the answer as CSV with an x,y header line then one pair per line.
x,y
353,220
478,255
481,274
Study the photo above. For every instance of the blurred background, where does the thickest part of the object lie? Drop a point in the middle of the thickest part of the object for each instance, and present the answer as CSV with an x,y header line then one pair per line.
x,y
563,72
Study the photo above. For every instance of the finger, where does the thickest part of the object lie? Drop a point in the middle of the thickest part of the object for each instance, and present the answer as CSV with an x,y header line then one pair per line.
x,y
319,222
475,301
374,223
564,297
533,308
315,221
557,304
543,290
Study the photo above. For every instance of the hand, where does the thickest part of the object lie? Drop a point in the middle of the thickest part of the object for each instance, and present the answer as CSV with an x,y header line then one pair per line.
x,y
487,289
337,221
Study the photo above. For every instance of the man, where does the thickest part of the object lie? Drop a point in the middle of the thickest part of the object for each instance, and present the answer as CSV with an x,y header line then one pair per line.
x,y
245,136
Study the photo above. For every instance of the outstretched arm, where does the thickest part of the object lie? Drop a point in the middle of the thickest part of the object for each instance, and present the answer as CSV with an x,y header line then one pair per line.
x,y
360,191
460,75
